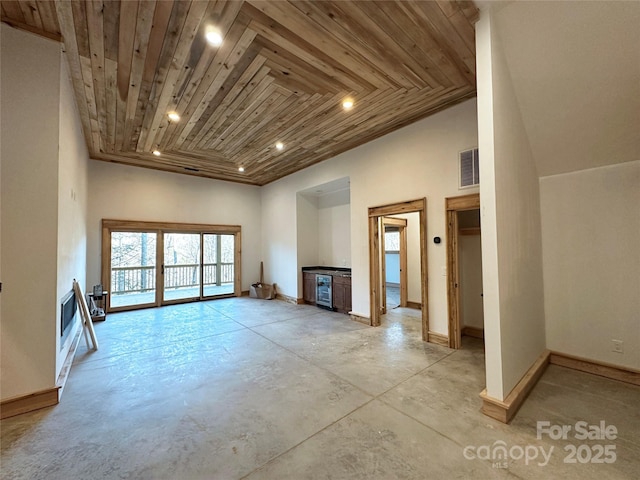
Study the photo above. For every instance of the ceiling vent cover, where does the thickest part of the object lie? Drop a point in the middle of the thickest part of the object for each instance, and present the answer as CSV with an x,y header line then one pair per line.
x,y
469,168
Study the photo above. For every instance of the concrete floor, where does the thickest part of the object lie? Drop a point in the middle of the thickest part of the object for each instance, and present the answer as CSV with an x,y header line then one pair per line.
x,y
245,388
393,296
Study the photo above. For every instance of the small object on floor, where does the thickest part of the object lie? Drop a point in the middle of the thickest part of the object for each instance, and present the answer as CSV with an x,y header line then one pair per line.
x,y
87,323
262,290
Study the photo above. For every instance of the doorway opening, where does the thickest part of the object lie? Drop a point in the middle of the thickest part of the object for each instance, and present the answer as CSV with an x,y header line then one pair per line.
x,y
377,282
464,267
147,264
393,263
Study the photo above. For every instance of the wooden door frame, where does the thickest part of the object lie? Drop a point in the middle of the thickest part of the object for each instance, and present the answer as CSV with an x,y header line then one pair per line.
x,y
375,213
401,224
160,228
453,205
383,269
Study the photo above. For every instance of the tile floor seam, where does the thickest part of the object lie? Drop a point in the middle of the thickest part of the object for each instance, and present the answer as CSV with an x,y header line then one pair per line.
x,y
374,396
91,360
415,374
308,438
553,413
241,325
585,392
379,398
311,362
260,325
433,430
340,377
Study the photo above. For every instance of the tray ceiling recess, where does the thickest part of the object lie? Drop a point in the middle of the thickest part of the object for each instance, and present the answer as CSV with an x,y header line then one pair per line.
x,y
253,91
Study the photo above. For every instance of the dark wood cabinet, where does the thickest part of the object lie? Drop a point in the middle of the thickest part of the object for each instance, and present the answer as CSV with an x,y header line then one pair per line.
x,y
341,290
309,288
342,294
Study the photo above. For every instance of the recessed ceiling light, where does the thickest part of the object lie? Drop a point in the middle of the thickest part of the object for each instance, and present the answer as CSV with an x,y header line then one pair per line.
x,y
213,37
279,145
347,104
173,116
156,153
241,169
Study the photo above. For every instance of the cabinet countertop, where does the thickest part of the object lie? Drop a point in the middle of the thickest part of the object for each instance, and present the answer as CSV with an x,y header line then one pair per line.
x,y
334,272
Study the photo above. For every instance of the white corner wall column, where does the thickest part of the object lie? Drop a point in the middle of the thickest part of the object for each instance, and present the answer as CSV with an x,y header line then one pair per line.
x,y
511,224
491,293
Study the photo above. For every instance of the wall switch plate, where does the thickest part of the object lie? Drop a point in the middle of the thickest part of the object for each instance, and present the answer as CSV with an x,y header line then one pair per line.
x,y
444,271
617,346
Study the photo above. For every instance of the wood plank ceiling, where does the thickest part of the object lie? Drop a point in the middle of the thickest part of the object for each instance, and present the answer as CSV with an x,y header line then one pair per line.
x,y
280,75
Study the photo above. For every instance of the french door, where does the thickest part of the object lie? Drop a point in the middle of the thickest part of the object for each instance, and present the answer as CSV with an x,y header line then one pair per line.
x,y
133,268
148,264
218,266
181,266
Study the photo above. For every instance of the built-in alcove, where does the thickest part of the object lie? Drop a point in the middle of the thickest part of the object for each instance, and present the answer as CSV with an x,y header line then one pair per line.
x,y
323,215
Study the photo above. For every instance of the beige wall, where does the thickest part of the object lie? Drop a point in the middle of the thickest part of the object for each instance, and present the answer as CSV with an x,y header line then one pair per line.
x,y
30,96
39,254
576,74
510,218
591,239
72,205
417,161
129,193
334,229
306,215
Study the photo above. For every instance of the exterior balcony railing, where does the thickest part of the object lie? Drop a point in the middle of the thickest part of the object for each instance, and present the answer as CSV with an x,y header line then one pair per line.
x,y
141,279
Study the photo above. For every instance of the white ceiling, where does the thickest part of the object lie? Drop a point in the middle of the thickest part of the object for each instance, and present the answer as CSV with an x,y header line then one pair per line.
x,y
576,72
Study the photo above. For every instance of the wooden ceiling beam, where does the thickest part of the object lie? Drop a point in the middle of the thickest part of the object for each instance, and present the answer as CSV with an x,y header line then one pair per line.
x,y
160,23
275,131
372,42
414,38
229,61
235,85
447,36
190,25
66,22
240,114
11,11
31,14
144,23
296,67
258,124
96,57
303,25
163,82
202,65
286,40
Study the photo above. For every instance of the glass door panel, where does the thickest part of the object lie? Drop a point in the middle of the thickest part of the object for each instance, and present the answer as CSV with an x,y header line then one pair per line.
x,y
133,269
218,267
181,266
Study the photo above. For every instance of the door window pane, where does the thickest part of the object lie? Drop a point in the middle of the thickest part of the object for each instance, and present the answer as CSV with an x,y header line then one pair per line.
x,y
181,266
392,241
218,265
133,268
